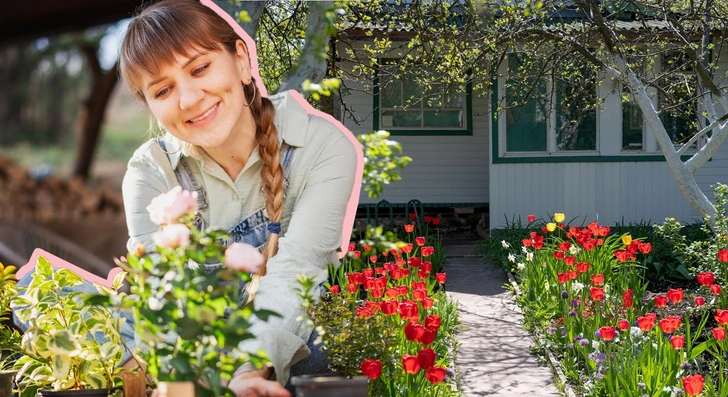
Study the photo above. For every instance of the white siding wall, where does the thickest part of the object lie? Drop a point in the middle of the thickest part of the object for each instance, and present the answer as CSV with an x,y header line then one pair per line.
x,y
444,169
610,192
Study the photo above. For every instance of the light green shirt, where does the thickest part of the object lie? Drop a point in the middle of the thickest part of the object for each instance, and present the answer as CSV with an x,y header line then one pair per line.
x,y
321,179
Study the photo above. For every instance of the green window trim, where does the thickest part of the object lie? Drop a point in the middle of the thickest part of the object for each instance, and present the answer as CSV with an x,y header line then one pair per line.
x,y
562,157
468,131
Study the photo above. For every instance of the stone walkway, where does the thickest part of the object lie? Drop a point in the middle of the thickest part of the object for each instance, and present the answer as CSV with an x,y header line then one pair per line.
x,y
494,357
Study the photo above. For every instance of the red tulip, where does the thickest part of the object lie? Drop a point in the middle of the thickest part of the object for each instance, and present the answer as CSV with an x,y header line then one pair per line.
x,y
607,332
645,248
435,221
572,274
426,267
699,300
432,322
435,374
426,358
412,216
723,255
622,255
589,244
526,242
408,310
335,289
693,385
661,301
428,219
420,241
597,294
538,242
389,307
623,324
715,289
627,299
414,262
582,267
706,278
670,324
597,279
427,337
563,278
414,331
428,251
352,288
569,260
427,303
407,248
410,364
677,341
371,368
558,255
564,246
645,323
719,333
419,294
721,316
440,278
675,295
409,228
377,292
531,218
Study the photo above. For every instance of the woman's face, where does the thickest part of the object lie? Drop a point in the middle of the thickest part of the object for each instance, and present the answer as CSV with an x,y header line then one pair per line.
x,y
199,99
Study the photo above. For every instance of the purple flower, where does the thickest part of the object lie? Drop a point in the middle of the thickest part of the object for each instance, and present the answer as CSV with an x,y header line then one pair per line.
x,y
572,313
563,332
641,385
597,334
564,294
583,342
574,303
598,376
552,330
570,345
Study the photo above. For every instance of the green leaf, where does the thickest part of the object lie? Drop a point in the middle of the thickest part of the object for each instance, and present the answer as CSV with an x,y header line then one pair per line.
x,y
265,314
43,267
188,328
61,365
69,278
119,280
63,342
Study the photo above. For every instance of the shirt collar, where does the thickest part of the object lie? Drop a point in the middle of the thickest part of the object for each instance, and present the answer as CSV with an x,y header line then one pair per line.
x,y
291,119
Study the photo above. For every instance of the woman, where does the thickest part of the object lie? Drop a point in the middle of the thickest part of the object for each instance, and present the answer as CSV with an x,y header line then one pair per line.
x,y
265,169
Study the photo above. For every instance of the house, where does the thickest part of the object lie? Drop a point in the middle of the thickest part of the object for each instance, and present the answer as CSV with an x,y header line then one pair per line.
x,y
518,163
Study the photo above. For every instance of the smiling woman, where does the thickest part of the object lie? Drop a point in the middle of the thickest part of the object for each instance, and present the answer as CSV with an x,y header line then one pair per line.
x,y
270,170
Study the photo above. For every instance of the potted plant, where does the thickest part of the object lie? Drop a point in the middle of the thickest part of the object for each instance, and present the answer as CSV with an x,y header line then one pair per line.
x,y
188,316
69,346
9,338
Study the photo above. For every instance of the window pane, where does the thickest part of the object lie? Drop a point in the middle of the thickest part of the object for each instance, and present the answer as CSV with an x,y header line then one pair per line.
x,y
631,126
527,110
445,118
412,95
401,118
576,116
678,111
391,94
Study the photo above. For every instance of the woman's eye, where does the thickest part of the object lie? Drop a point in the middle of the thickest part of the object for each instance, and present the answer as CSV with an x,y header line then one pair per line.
x,y
200,70
162,93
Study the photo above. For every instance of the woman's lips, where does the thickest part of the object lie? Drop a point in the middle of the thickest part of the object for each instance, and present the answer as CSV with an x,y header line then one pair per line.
x,y
206,117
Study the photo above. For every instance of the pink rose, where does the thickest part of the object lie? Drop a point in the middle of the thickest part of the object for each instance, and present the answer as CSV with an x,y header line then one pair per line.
x,y
172,236
166,208
245,257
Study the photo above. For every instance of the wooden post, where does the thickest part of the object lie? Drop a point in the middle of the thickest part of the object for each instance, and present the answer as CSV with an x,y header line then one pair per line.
x,y
135,383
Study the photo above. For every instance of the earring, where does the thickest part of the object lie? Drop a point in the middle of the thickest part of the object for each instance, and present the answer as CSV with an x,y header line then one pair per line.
x,y
161,145
255,91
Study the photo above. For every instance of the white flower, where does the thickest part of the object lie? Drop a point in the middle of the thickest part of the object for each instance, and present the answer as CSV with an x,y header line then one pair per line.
x,y
635,332
574,249
520,266
505,244
577,286
547,285
524,249
512,258
606,289
595,344
529,256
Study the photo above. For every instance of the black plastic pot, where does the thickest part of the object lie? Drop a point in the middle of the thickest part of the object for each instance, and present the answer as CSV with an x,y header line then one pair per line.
x,y
74,393
330,385
6,383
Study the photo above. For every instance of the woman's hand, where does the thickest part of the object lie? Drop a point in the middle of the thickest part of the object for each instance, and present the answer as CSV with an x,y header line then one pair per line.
x,y
246,386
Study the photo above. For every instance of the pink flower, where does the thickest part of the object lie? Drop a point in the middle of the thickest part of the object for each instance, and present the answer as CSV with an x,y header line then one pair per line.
x,y
172,236
245,257
166,208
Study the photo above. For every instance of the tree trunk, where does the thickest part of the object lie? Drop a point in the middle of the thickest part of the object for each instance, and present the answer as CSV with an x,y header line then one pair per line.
x,y
93,114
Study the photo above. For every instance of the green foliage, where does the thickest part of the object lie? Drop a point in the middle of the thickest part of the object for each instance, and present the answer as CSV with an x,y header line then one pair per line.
x,y
190,319
381,161
9,338
59,349
696,249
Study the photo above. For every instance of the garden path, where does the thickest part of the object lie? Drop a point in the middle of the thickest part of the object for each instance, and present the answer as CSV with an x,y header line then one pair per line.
x,y
494,358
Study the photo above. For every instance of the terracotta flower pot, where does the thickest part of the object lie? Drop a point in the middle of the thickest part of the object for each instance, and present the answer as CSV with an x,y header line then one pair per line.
x,y
6,383
74,393
176,389
330,385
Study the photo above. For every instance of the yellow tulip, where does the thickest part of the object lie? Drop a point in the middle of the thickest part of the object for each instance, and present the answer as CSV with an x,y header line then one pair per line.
x,y
627,239
559,217
551,227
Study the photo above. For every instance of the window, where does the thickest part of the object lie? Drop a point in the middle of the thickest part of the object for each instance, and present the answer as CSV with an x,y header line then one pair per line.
x,y
403,108
633,131
549,114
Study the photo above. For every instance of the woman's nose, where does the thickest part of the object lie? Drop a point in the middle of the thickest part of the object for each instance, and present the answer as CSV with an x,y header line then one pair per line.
x,y
190,96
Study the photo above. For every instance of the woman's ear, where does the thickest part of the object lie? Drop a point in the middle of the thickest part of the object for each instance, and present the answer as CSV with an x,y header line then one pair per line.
x,y
243,59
